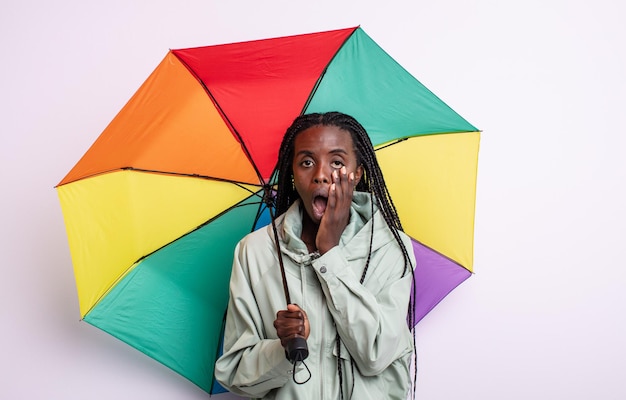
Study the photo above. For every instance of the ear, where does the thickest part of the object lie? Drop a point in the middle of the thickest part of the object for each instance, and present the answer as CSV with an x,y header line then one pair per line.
x,y
358,174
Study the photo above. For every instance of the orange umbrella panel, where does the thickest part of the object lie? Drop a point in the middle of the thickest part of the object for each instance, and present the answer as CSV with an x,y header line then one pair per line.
x,y
171,126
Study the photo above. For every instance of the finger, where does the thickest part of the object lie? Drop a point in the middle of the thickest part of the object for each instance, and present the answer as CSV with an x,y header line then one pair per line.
x,y
331,189
294,307
284,314
306,329
350,186
286,323
337,175
344,175
338,190
295,312
288,328
331,202
347,184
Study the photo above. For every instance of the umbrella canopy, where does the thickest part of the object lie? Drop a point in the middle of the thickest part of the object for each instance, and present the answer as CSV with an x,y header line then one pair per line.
x,y
154,208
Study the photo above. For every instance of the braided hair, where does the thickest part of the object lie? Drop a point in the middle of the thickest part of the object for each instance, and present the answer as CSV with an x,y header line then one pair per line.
x,y
371,182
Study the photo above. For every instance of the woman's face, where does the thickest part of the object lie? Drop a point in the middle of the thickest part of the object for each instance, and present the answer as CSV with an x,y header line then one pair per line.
x,y
318,151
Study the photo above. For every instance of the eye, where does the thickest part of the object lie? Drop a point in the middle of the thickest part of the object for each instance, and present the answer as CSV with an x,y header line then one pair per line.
x,y
306,163
337,164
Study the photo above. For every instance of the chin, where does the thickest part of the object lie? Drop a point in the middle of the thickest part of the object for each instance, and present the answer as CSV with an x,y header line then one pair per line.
x,y
313,219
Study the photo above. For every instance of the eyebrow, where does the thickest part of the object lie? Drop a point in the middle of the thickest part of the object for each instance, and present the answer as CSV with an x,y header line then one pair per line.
x,y
338,150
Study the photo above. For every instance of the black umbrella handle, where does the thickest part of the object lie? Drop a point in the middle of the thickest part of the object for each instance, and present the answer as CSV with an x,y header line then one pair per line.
x,y
297,349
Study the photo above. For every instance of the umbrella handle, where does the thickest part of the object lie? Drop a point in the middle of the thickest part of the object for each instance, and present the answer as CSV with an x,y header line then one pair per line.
x,y
296,349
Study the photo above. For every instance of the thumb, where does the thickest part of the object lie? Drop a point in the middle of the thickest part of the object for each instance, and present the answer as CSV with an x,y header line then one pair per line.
x,y
293,307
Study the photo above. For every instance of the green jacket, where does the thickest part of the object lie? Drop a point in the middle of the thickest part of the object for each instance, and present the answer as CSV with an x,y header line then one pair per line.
x,y
376,343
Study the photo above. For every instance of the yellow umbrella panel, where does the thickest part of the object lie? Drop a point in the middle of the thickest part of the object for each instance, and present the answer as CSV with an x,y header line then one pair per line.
x,y
115,219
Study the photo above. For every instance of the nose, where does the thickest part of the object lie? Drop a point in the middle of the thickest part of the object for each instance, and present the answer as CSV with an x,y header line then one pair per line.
x,y
322,174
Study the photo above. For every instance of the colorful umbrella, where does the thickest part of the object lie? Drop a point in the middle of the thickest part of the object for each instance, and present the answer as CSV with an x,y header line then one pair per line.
x,y
154,209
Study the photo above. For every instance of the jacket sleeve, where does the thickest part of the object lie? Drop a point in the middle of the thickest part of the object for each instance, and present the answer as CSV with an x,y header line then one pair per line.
x,y
251,364
371,318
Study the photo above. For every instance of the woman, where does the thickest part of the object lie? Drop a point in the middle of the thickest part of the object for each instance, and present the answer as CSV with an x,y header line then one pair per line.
x,y
348,270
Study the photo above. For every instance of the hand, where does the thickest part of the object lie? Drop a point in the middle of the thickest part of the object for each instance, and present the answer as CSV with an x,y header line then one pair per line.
x,y
337,214
290,323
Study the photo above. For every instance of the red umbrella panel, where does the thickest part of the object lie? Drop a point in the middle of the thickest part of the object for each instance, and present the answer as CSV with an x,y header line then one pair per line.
x,y
154,208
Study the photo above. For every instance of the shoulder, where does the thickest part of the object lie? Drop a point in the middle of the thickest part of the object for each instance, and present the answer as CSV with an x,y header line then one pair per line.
x,y
407,241
256,252
408,245
387,251
255,242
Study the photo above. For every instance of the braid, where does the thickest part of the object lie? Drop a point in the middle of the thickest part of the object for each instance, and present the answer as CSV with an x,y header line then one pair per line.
x,y
286,194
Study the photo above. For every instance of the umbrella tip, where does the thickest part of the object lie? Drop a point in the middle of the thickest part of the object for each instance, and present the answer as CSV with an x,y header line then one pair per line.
x,y
269,195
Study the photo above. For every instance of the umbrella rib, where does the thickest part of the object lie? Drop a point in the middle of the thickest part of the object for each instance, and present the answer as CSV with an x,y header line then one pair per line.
x,y
153,171
442,255
391,144
319,80
127,270
224,117
418,136
240,204
190,175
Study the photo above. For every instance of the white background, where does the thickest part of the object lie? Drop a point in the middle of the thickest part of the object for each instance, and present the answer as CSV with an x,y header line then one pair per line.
x,y
544,317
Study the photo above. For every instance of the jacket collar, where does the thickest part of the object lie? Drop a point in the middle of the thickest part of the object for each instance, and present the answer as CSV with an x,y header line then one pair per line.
x,y
355,240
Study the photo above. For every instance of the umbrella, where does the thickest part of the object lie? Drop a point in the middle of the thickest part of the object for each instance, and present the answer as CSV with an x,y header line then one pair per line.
x,y
154,208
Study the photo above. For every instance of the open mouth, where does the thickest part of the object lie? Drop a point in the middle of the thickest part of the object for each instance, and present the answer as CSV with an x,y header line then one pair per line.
x,y
319,205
